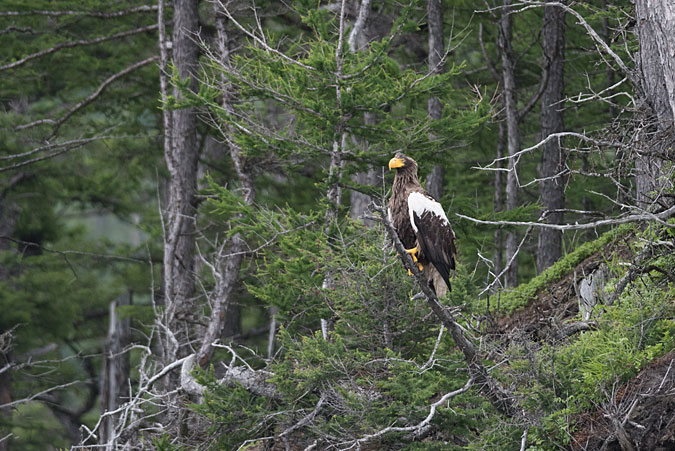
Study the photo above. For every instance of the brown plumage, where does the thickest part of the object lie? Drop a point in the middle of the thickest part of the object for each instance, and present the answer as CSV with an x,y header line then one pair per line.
x,y
421,223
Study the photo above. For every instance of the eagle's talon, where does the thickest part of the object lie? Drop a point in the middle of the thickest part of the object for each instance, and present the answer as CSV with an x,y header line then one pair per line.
x,y
413,253
419,266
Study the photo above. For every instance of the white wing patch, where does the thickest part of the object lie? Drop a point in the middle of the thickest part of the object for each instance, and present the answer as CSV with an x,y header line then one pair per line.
x,y
419,204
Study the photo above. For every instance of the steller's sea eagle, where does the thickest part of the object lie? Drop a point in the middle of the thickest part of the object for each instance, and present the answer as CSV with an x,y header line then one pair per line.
x,y
421,225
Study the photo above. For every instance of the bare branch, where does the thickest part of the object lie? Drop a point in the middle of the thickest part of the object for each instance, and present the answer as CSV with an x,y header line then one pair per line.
x,y
37,395
644,216
599,42
62,148
498,278
419,426
66,45
58,122
517,155
261,41
101,14
12,28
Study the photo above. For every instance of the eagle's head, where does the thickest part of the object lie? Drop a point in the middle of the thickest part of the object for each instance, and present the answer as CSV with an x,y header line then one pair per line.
x,y
402,162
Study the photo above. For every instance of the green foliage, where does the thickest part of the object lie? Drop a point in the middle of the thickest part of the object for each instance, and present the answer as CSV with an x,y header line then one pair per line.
x,y
372,369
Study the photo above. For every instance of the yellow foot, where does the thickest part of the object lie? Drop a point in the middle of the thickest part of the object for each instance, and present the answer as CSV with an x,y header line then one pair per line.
x,y
419,265
413,253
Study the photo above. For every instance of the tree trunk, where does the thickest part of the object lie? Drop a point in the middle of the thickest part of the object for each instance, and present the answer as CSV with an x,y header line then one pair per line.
x,y
513,140
180,211
358,202
115,374
656,74
552,189
434,106
225,314
499,199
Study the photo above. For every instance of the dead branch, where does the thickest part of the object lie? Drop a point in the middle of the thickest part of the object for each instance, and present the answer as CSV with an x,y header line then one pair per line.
x,y
39,394
644,216
260,41
520,153
419,426
58,122
101,14
61,149
82,42
600,43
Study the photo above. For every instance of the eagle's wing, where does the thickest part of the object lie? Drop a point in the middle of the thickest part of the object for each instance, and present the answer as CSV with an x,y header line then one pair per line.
x,y
435,237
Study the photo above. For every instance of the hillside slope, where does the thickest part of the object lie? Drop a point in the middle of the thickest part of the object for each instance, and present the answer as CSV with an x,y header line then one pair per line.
x,y
606,381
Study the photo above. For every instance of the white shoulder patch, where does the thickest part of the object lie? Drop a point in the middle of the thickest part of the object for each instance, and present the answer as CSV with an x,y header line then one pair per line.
x,y
419,204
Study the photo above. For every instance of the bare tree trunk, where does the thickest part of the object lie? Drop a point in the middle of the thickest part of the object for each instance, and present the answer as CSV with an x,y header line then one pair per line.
x,y
358,202
513,140
115,374
358,40
180,211
656,72
434,106
499,199
552,188
230,255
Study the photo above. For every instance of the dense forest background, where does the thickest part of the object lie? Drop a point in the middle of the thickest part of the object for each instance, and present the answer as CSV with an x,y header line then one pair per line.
x,y
195,251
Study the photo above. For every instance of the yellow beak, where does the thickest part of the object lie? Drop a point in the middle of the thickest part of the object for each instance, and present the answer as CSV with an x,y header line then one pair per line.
x,y
396,163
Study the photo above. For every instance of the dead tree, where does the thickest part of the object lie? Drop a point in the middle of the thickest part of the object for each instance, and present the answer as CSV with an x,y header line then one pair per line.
x,y
115,374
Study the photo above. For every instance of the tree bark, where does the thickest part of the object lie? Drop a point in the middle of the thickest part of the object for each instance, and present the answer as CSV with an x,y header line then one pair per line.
x,y
434,106
225,314
358,202
180,212
656,74
552,189
499,199
513,132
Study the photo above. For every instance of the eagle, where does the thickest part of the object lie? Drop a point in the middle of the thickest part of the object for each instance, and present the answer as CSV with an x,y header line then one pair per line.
x,y
421,225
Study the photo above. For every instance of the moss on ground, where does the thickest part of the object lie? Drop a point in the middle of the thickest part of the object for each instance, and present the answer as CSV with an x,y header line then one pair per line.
x,y
520,297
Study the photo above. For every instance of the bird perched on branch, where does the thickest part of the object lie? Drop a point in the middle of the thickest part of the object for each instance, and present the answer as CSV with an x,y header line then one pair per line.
x,y
421,225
